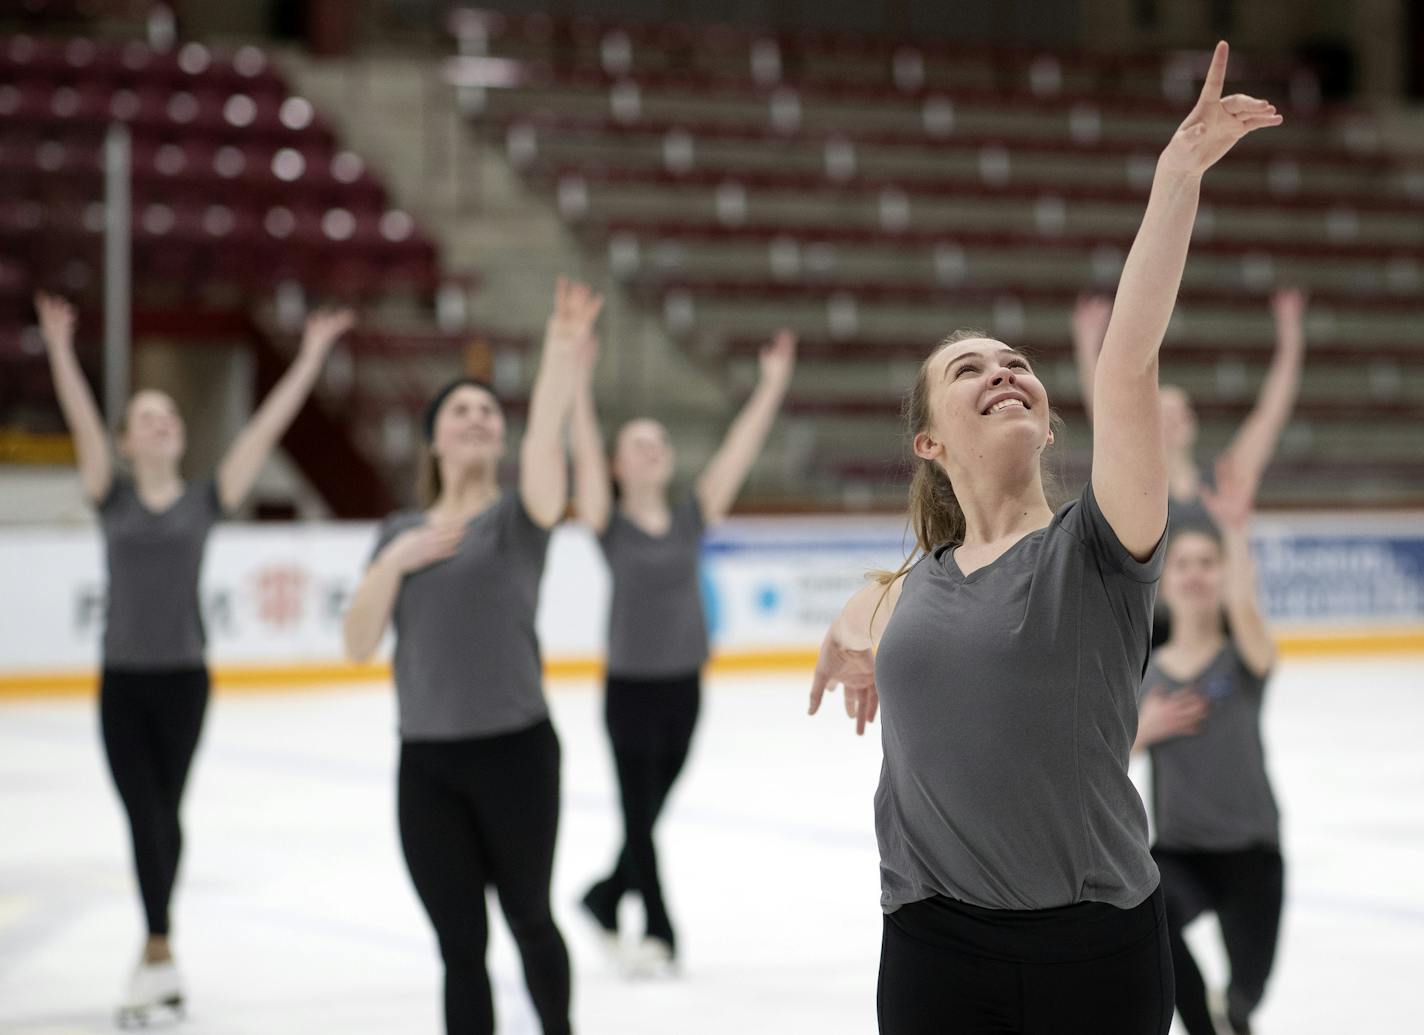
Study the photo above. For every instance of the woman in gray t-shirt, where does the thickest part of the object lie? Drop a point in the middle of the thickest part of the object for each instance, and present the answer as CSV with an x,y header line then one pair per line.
x,y
154,688
1018,890
657,637
1217,824
478,787
1254,443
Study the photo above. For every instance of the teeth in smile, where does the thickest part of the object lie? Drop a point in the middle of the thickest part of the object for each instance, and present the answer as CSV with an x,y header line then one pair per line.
x,y
1004,404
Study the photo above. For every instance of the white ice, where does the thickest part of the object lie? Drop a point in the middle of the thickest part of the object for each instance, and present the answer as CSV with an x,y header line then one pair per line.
x,y
294,912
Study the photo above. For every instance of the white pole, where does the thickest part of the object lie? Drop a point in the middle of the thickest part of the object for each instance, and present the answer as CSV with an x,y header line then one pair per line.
x,y
118,253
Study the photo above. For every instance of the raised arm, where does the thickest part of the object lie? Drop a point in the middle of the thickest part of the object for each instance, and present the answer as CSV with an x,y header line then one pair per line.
x,y
248,453
727,471
1255,443
1230,505
593,496
847,655
76,400
543,473
1129,469
1090,323
370,611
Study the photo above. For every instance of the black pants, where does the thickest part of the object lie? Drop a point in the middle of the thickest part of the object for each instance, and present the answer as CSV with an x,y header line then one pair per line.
x,y
650,722
1245,890
947,968
479,812
150,723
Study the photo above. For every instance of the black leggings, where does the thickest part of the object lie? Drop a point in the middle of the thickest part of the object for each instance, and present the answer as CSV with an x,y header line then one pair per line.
x,y
150,723
477,812
1244,889
1091,967
650,722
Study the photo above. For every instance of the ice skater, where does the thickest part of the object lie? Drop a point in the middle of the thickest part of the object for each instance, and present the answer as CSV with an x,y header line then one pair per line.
x,y
154,683
1217,824
657,634
1018,887
478,785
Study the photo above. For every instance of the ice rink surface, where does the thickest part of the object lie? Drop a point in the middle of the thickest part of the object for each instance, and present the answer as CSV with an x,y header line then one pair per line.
x,y
294,913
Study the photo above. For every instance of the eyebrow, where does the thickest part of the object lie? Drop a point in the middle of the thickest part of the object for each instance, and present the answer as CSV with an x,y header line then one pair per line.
x,y
979,355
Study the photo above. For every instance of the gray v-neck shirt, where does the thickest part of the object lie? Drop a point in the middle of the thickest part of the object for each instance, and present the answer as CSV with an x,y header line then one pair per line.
x,y
1210,791
467,660
153,618
1009,707
656,627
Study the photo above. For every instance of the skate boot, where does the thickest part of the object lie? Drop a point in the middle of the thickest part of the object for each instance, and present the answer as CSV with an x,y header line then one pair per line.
x,y
155,993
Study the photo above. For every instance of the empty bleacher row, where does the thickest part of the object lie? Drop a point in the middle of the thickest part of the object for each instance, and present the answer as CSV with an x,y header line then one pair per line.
x,y
875,195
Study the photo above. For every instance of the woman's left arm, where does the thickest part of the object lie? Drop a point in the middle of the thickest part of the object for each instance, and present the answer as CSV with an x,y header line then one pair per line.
x,y
1230,504
1129,468
568,338
254,444
727,471
1255,443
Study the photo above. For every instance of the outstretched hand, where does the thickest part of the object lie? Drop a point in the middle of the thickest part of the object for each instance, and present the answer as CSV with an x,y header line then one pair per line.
x,y
57,320
323,328
576,308
1216,123
852,669
778,358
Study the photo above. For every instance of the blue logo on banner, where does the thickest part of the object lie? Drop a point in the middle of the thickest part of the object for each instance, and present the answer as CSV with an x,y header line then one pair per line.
x,y
711,606
768,599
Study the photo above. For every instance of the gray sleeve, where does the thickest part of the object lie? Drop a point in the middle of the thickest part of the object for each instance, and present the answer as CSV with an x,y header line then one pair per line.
x,y
1087,523
117,486
691,509
525,535
212,499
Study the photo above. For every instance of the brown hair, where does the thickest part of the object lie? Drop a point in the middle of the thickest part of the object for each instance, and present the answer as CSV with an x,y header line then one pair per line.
x,y
935,516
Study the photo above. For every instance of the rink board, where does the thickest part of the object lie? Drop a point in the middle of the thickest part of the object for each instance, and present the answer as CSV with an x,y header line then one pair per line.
x,y
273,594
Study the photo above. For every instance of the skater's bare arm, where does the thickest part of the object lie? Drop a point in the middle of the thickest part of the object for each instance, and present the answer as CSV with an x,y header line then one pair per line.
x,y
1255,443
592,491
727,471
1230,504
76,400
543,473
847,655
1090,323
1129,468
254,444
375,597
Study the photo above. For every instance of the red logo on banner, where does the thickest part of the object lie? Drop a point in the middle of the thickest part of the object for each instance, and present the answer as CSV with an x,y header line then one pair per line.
x,y
281,594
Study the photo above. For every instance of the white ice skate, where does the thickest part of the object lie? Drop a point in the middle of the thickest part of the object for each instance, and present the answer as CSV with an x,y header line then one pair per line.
x,y
155,994
650,958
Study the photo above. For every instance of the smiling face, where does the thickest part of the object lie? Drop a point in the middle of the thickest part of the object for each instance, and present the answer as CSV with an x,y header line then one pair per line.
x,y
1192,574
984,405
152,431
469,429
642,456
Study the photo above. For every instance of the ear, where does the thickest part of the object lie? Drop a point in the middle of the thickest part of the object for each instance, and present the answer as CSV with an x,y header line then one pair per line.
x,y
926,448
1050,439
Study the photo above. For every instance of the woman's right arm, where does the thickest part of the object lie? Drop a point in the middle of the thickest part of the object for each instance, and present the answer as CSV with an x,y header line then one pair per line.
x,y
81,412
848,651
375,597
1090,323
593,496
